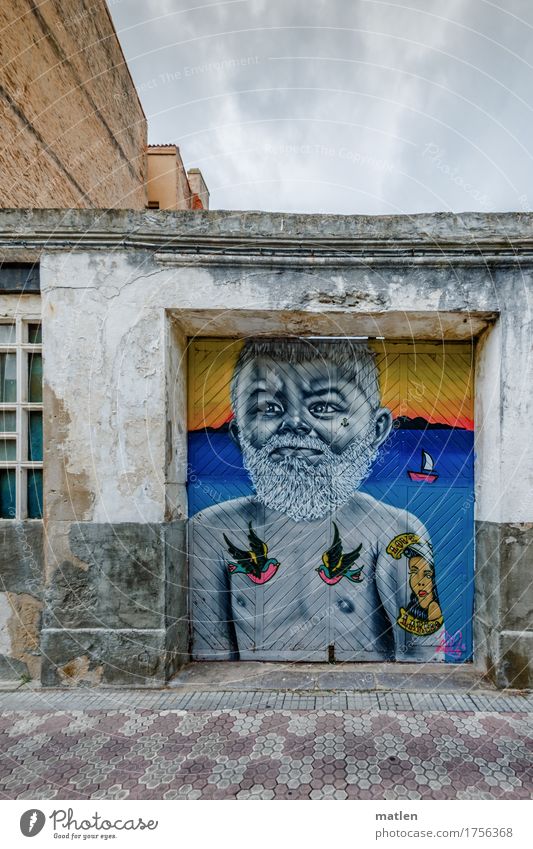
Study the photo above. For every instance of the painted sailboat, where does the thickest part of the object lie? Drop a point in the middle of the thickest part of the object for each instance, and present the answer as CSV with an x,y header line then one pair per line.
x,y
426,472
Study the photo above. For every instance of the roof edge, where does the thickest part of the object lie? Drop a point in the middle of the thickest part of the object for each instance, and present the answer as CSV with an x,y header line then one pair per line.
x,y
472,232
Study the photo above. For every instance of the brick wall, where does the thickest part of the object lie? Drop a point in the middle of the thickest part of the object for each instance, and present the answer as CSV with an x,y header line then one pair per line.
x,y
73,132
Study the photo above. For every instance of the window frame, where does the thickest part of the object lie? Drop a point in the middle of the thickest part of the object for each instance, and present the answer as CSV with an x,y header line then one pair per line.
x,y
22,406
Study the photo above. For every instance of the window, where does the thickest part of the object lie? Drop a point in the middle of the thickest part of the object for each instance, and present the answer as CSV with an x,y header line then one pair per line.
x,y
21,419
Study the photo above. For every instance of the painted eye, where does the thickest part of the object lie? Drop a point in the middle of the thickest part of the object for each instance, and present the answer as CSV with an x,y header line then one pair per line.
x,y
271,408
322,408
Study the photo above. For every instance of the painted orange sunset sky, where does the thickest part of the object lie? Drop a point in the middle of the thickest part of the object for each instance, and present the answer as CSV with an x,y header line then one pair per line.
x,y
426,380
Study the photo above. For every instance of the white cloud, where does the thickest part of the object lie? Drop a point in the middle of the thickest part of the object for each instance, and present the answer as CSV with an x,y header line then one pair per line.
x,y
368,106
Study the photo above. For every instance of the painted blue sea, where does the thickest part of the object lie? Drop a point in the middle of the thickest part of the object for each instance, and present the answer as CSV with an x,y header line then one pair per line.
x,y
445,506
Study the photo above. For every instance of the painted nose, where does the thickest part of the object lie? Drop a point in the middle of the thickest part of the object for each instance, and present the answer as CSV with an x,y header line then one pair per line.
x,y
294,424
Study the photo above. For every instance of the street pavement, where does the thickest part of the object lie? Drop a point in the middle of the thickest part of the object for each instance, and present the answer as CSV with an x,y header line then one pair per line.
x,y
265,744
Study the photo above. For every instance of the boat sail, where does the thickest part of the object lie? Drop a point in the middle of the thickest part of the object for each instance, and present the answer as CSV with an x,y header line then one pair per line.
x,y
427,462
426,473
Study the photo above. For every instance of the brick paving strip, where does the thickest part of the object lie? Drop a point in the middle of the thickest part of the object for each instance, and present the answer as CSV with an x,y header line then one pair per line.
x,y
112,744
121,699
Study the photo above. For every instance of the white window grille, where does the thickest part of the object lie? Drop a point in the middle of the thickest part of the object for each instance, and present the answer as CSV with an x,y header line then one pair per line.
x,y
21,419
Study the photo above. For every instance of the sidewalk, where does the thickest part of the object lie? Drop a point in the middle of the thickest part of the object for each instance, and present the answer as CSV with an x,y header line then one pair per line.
x,y
245,733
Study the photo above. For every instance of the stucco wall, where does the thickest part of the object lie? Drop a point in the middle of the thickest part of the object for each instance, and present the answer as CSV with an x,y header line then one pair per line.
x,y
73,132
110,315
167,181
115,321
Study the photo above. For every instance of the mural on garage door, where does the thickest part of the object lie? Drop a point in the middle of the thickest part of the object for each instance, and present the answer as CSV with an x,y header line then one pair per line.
x,y
330,495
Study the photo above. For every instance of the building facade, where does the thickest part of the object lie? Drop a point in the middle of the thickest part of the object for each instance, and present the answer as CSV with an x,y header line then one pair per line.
x,y
73,132
169,186
265,436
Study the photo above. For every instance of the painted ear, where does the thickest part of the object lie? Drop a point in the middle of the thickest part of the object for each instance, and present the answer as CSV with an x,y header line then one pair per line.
x,y
234,432
383,425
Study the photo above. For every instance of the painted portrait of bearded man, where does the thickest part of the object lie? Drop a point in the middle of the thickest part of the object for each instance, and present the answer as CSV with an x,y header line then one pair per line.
x,y
309,567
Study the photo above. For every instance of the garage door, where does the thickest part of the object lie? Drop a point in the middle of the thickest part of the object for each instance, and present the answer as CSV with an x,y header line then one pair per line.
x,y
331,500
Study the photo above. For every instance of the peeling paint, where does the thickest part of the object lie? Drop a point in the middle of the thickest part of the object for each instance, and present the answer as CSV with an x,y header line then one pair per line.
x,y
68,492
78,671
347,299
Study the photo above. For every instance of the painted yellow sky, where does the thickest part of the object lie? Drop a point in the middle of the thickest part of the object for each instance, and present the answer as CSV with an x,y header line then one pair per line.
x,y
432,381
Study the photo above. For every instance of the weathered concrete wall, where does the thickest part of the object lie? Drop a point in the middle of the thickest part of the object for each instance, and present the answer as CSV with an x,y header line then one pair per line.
x,y
504,485
21,593
176,421
73,132
109,425
15,305
115,321
114,611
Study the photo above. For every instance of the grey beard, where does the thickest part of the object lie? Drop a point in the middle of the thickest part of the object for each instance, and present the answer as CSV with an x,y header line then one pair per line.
x,y
299,489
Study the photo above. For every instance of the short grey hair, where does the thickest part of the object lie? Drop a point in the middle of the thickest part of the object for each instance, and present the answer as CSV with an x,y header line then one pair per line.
x,y
355,361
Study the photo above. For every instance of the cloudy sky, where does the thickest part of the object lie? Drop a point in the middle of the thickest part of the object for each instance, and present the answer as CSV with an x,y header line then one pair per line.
x,y
346,106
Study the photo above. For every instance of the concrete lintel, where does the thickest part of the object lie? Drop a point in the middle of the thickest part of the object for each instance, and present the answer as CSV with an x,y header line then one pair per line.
x,y
427,326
